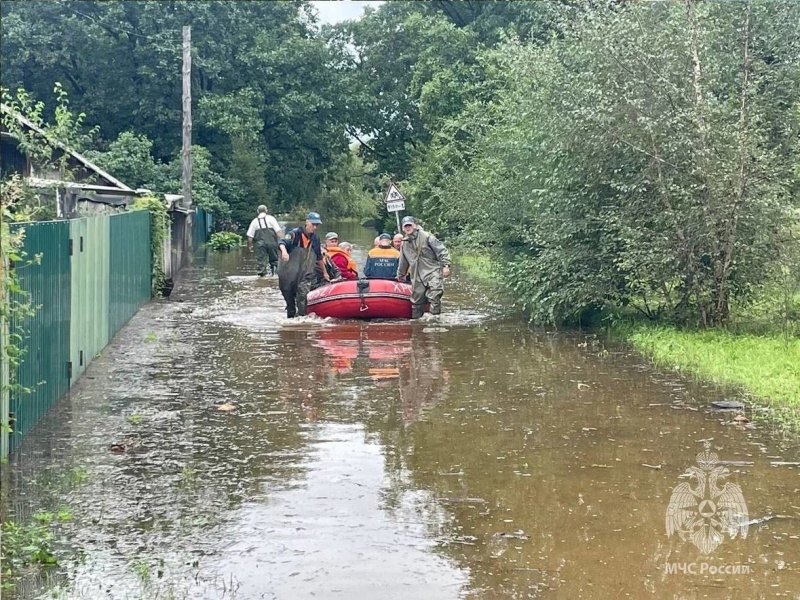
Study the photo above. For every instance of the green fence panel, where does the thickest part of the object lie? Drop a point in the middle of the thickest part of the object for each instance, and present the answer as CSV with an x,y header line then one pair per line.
x,y
78,325
99,258
199,228
130,269
90,289
43,367
203,225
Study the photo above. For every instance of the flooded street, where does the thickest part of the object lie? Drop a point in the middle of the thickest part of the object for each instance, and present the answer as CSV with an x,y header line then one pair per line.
x,y
218,450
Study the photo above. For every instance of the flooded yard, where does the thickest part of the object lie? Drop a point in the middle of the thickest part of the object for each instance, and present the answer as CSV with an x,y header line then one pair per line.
x,y
218,450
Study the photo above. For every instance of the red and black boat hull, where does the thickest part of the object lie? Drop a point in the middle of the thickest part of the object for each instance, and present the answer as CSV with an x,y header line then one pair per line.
x,y
361,299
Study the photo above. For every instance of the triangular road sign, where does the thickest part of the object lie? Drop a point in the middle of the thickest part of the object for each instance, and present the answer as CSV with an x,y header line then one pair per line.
x,y
393,195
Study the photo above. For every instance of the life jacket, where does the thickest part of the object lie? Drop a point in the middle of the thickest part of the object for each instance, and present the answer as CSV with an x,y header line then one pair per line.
x,y
382,263
334,250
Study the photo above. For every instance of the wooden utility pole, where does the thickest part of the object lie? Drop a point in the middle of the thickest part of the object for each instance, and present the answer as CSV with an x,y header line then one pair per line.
x,y
187,116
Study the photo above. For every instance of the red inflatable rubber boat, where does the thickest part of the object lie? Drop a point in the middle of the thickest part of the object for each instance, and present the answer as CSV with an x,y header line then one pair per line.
x,y
361,299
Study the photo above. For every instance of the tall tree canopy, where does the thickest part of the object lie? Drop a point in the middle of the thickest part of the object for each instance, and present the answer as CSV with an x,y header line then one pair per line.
x,y
264,90
642,157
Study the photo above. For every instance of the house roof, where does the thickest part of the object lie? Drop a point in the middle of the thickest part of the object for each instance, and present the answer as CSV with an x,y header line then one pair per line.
x,y
84,161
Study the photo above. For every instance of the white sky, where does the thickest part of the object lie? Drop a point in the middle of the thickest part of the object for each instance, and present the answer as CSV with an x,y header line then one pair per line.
x,y
334,11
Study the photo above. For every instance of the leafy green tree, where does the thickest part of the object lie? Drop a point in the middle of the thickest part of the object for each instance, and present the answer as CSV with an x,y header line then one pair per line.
x,y
614,175
248,184
258,68
350,188
129,156
412,65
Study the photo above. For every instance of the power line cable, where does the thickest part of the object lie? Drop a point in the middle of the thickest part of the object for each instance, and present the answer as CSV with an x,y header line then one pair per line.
x,y
160,37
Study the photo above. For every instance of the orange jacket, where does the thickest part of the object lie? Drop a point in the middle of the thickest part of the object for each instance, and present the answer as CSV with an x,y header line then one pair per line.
x,y
379,252
342,260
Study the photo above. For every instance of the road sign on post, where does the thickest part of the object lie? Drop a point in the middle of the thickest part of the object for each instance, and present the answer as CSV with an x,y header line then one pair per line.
x,y
395,202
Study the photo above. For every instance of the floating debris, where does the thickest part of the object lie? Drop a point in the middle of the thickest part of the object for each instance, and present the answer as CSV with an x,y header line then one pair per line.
x,y
463,500
514,535
727,405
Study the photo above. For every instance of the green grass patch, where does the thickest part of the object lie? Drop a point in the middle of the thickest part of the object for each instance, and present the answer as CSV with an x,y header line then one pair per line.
x,y
476,265
766,366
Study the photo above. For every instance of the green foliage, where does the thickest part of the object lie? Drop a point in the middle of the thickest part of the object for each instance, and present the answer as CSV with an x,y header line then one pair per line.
x,y
130,157
409,66
477,265
606,174
246,175
260,72
159,232
45,144
30,544
224,240
350,189
15,304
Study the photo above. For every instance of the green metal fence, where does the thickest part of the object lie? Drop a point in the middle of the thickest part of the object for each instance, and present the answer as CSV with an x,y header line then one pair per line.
x,y
89,332
203,222
130,272
86,279
44,366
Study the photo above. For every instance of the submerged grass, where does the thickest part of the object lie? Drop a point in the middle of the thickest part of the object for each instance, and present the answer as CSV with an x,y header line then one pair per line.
x,y
766,366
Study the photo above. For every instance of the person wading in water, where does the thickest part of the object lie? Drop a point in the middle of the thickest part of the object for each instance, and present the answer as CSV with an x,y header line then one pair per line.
x,y
428,261
265,231
301,255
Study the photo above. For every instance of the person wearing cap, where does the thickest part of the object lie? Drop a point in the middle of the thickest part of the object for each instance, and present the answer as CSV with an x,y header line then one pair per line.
x,y
301,256
428,261
340,257
266,232
382,261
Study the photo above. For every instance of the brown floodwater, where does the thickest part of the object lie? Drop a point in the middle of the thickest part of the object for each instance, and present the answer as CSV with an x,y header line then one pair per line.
x,y
462,457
